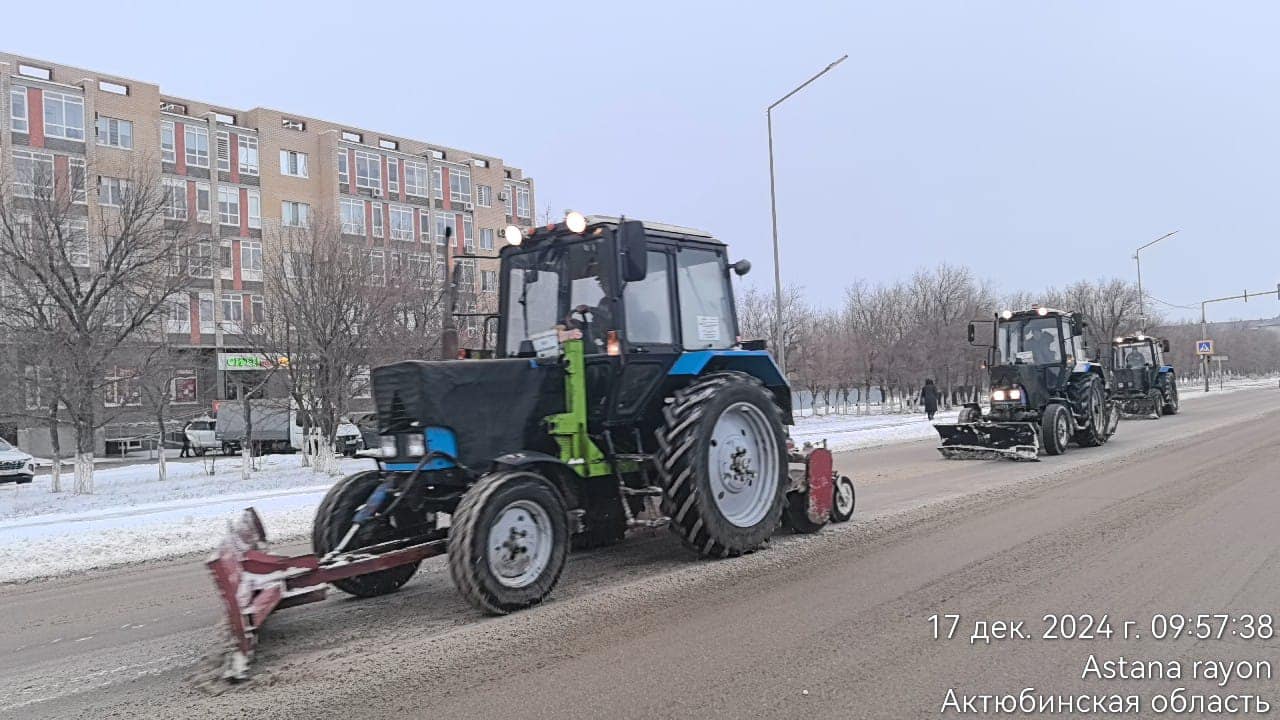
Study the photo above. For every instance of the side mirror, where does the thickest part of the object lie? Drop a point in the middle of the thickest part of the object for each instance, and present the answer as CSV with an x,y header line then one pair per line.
x,y
1164,345
740,268
973,333
631,241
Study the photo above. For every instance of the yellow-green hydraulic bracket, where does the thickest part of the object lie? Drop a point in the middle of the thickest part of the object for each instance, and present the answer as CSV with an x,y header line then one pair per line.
x,y
569,428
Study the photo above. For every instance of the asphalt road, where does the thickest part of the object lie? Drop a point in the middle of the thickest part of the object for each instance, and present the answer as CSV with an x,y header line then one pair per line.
x,y
1173,516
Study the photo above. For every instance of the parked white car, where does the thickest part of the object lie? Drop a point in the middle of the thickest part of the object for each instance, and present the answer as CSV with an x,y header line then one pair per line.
x,y
200,435
15,465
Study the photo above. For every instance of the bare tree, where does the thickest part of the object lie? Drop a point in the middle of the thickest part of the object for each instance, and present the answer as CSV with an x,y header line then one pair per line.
x,y
87,281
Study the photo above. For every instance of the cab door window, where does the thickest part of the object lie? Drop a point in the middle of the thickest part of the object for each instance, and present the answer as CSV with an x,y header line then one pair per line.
x,y
706,304
648,304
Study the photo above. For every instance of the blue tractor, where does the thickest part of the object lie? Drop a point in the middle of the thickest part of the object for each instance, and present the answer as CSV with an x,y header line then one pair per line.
x,y
620,396
1145,383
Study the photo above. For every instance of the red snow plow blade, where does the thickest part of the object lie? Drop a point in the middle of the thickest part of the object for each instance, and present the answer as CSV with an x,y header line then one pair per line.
x,y
252,583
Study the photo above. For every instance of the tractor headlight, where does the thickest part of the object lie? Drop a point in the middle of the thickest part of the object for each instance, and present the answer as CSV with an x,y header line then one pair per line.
x,y
1006,395
1015,393
999,395
387,446
416,445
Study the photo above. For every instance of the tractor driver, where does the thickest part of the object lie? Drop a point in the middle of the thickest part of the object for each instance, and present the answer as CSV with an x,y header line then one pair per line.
x,y
1135,359
1043,346
589,300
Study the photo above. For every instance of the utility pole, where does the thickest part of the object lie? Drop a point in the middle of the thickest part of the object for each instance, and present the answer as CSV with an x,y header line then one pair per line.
x,y
1142,312
778,333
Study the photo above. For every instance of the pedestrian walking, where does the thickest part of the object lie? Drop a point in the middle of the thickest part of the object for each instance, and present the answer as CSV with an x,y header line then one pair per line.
x,y
929,397
186,442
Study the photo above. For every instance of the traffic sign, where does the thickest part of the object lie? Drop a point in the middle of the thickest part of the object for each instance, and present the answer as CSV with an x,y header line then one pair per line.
x,y
1204,347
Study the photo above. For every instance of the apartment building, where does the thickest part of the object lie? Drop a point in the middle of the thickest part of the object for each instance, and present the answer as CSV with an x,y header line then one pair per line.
x,y
238,174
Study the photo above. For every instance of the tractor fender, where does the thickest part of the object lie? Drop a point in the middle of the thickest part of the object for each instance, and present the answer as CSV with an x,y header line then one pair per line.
x,y
756,363
549,466
1166,370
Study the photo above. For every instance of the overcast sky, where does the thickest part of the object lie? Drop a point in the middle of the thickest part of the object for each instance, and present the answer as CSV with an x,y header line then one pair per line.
x,y
1039,142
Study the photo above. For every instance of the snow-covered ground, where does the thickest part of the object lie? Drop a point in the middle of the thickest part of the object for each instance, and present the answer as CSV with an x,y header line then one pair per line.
x,y
133,517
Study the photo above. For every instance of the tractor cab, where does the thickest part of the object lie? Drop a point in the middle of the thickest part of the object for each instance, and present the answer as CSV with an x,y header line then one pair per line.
x,y
1032,356
650,301
1144,381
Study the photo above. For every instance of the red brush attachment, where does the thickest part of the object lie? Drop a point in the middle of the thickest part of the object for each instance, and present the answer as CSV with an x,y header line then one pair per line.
x,y
820,468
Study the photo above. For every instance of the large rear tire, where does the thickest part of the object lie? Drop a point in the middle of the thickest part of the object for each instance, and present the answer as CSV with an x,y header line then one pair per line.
x,y
722,459
1091,402
333,520
1169,389
508,541
1055,429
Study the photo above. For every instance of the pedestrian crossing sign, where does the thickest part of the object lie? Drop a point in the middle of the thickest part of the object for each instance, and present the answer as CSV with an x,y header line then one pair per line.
x,y
1204,347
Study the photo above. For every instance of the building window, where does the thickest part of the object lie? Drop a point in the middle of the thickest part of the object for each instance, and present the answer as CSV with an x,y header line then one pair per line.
x,y
173,107
202,202
232,312
368,170
508,193
291,124
113,132
468,234
352,136
78,243
112,191
248,155
255,208
251,259
63,115
437,191
293,163
393,175
377,219
77,174
122,388
295,214
377,266
486,238
206,312
168,152
257,308
224,151
224,118
415,178
388,144
488,281
185,386
229,205
424,224
484,196
113,88
178,316
459,185
197,142
344,178
32,171
445,220
19,120
401,223
352,216
175,199
522,202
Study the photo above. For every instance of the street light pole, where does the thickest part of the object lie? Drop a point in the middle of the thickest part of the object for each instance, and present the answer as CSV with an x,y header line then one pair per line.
x,y
1204,325
1142,312
779,336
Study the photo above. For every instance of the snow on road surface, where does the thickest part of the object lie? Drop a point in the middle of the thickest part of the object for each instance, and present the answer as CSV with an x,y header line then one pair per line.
x,y
133,517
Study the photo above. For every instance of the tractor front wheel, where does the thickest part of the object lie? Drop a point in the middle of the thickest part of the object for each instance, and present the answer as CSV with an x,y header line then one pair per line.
x,y
1055,429
722,457
333,521
1091,401
1156,402
508,541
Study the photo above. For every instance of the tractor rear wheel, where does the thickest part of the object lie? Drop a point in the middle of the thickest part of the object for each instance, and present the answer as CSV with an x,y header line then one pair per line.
x,y
722,459
1170,391
844,501
333,520
508,541
1091,402
1055,429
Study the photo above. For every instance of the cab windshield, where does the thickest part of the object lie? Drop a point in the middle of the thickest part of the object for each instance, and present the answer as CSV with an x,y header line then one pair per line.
x,y
1033,341
558,285
1134,356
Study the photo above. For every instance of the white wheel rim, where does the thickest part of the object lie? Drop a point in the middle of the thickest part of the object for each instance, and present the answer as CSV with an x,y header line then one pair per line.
x,y
1063,429
844,496
742,461
520,542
